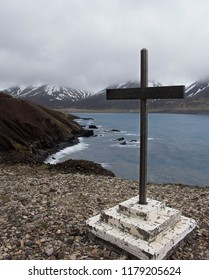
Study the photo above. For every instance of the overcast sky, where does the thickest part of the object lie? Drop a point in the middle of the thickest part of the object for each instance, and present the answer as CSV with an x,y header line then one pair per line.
x,y
91,44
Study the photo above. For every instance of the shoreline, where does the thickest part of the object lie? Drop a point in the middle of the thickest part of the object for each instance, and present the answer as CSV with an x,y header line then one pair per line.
x,y
44,213
151,111
64,163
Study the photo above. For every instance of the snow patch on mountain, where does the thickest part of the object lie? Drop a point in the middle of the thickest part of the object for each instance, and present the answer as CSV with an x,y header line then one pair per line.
x,y
49,95
51,89
197,88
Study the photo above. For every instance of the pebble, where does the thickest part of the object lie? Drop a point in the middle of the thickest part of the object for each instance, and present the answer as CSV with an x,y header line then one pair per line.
x,y
49,251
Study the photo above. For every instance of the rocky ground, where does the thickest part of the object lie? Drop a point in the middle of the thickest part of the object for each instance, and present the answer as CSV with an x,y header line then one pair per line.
x,y
44,210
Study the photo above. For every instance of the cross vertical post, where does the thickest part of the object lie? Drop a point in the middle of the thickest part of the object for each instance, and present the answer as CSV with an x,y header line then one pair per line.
x,y
143,93
143,131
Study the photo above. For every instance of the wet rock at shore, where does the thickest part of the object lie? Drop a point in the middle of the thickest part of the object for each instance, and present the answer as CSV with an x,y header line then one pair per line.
x,y
87,133
120,139
92,126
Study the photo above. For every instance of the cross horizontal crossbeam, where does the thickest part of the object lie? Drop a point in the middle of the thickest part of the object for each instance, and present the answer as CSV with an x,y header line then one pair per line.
x,y
167,92
144,93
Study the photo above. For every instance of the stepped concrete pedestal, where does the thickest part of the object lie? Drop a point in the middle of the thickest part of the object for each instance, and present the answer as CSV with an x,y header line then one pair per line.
x,y
150,231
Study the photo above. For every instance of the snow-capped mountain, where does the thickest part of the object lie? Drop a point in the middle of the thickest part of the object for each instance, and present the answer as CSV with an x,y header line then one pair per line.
x,y
134,84
199,89
50,96
196,98
98,101
130,84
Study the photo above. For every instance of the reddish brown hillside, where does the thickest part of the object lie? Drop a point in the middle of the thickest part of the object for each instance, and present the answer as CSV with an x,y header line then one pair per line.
x,y
25,125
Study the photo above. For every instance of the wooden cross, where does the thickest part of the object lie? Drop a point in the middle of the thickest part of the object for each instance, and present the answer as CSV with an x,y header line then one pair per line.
x,y
143,93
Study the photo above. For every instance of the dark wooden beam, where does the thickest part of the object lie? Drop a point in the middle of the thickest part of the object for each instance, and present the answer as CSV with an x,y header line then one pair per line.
x,y
167,92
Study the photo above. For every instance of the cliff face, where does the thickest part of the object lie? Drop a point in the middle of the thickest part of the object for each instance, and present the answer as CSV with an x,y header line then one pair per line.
x,y
25,125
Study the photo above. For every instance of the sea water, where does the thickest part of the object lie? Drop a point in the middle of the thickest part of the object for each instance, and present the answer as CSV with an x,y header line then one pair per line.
x,y
178,146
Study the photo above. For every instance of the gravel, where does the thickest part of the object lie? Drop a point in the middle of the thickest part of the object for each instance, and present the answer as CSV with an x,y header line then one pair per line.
x,y
43,213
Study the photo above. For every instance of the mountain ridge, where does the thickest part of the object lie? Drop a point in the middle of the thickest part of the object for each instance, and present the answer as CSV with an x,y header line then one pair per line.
x,y
196,98
51,96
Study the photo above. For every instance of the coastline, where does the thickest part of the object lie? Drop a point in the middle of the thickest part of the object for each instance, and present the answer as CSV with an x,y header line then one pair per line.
x,y
44,212
39,155
150,111
191,167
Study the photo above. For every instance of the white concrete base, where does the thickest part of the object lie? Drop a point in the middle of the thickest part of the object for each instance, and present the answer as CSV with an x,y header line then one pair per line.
x,y
148,231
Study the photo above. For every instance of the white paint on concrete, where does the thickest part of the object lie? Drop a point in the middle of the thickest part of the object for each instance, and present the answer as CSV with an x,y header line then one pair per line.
x,y
146,231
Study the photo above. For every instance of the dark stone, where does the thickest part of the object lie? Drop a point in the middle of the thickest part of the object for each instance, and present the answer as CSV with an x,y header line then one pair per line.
x,y
60,255
75,232
84,239
29,243
92,126
87,133
52,190
86,119
133,141
123,143
120,139
70,241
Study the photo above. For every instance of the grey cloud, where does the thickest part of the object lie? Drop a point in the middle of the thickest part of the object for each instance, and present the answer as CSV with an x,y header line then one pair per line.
x,y
92,44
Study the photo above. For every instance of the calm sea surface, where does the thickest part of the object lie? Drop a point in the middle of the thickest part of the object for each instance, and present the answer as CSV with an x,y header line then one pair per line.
x,y
178,146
